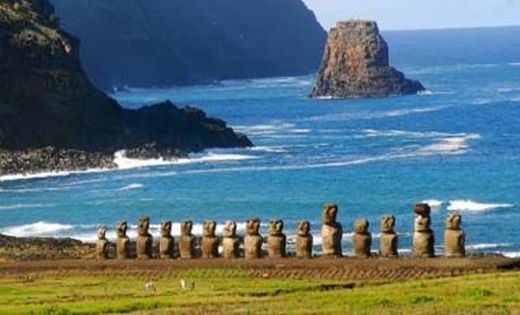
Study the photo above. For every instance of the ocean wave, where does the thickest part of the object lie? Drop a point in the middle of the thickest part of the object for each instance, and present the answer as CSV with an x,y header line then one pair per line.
x,y
511,254
452,145
270,129
42,175
377,115
131,187
269,149
516,64
469,205
410,134
25,206
31,190
487,246
508,89
40,228
433,203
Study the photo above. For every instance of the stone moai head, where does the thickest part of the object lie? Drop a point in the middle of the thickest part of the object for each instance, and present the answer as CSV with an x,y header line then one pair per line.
x,y
361,226
422,217
143,225
303,228
329,213
453,221
387,223
186,227
230,229
208,228
275,227
166,228
252,226
101,232
121,228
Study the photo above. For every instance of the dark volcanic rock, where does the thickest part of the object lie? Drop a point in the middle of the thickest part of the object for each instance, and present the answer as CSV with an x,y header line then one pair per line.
x,y
355,64
46,100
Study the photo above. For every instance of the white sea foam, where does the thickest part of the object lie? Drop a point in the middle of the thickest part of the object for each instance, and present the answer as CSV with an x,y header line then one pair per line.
x,y
24,206
434,204
36,229
377,115
410,134
449,145
511,254
16,177
270,149
487,246
469,205
517,64
131,187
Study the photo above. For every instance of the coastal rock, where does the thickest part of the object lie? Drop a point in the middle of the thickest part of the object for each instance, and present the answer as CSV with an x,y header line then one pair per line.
x,y
331,231
356,64
362,239
209,243
102,243
276,242
253,239
423,238
187,241
389,239
230,241
122,242
167,242
454,237
304,240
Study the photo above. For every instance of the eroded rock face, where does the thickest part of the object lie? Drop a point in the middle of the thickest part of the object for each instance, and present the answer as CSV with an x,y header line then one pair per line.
x,y
423,238
276,241
102,243
209,243
123,242
454,237
144,241
253,239
331,231
167,242
304,240
362,239
187,241
355,64
389,239
230,241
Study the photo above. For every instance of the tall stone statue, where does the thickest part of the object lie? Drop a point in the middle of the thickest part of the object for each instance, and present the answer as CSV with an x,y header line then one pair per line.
x,y
303,240
123,242
362,239
187,241
276,242
209,243
423,238
144,241
102,243
331,231
230,241
454,237
167,242
253,240
389,239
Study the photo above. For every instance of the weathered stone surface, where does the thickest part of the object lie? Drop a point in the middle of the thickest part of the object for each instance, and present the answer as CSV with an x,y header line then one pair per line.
x,y
304,240
423,238
123,242
389,239
167,242
187,241
102,243
356,64
362,239
454,237
144,241
331,231
253,239
276,241
209,243
230,241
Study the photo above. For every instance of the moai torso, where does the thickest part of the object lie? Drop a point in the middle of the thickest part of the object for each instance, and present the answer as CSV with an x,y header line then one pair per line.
x,y
389,239
230,241
123,241
102,243
209,243
303,240
187,241
423,239
362,239
167,242
144,241
454,237
331,231
276,241
253,240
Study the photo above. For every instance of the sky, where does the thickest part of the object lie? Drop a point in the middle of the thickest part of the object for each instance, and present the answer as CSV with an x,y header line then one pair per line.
x,y
419,14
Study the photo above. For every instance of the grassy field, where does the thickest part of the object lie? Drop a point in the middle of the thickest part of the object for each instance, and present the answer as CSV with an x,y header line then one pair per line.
x,y
237,291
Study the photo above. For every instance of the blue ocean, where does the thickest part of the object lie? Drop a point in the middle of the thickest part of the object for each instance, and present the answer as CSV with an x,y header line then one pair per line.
x,y
455,146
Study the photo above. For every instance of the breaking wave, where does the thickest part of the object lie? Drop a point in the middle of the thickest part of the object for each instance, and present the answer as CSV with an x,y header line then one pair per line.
x,y
40,228
131,187
469,205
24,206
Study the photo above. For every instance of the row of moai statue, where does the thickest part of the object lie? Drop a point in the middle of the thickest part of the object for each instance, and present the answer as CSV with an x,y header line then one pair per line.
x,y
331,233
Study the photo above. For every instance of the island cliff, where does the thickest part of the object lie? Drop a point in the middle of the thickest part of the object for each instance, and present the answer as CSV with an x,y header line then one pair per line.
x,y
53,118
356,64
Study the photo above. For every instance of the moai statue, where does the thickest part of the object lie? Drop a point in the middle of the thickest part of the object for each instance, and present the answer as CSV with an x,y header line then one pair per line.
x,y
389,239
303,240
123,241
423,239
209,243
362,239
276,240
253,240
187,241
230,241
144,241
331,231
454,237
102,243
167,242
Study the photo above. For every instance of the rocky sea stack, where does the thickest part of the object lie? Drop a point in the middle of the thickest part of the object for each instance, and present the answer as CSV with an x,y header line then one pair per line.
x,y
356,64
52,117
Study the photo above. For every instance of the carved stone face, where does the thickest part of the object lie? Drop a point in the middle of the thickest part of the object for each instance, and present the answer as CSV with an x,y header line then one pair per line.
x,y
453,221
275,227
422,223
143,226
208,228
303,228
422,209
361,226
387,223
230,229
166,228
329,213
186,227
121,228
252,226
101,232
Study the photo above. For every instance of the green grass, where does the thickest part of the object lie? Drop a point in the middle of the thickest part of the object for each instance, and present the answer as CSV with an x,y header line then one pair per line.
x,y
236,291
